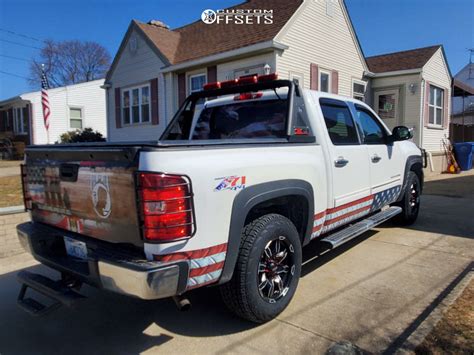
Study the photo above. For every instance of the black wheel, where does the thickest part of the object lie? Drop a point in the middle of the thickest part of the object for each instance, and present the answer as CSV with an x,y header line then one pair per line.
x,y
410,203
267,271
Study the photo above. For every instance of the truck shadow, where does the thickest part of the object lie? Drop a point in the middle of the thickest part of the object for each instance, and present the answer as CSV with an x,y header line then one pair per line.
x,y
111,323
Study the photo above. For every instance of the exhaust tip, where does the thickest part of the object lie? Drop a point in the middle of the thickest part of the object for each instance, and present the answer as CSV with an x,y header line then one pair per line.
x,y
182,303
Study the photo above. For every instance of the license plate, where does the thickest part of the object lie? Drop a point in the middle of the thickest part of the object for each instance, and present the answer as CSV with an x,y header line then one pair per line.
x,y
75,248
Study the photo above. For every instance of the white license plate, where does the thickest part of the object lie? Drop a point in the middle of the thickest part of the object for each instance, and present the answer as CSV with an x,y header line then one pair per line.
x,y
75,248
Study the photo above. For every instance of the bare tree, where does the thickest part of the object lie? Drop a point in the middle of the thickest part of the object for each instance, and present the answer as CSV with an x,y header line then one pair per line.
x,y
70,62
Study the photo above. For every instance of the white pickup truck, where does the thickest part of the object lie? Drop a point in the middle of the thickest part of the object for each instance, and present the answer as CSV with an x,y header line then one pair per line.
x,y
247,173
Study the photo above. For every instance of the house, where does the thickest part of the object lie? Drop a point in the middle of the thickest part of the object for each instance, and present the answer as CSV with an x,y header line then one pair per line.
x,y
72,107
413,88
462,118
313,42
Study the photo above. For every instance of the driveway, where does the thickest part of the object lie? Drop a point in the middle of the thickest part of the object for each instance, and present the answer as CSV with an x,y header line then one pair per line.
x,y
10,167
371,292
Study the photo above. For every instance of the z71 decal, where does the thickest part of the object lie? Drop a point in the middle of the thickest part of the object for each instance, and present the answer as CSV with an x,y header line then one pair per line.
x,y
233,183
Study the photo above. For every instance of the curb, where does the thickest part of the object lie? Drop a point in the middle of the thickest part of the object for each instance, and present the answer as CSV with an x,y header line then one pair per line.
x,y
445,300
12,210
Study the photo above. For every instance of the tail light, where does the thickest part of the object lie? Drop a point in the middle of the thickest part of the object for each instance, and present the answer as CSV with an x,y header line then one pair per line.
x,y
248,96
166,207
24,183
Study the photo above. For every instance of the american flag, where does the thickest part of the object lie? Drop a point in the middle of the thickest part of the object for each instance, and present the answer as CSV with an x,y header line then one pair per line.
x,y
45,99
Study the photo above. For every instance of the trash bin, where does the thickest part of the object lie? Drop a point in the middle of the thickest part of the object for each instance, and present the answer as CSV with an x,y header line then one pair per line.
x,y
463,153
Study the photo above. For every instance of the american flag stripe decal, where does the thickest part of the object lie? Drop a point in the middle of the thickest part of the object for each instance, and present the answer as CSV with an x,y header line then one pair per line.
x,y
45,99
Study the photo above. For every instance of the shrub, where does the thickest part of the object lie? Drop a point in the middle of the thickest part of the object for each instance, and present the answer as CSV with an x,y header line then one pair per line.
x,y
78,136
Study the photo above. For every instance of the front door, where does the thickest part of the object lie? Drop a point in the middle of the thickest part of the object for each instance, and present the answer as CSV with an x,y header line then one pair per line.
x,y
386,106
348,158
385,160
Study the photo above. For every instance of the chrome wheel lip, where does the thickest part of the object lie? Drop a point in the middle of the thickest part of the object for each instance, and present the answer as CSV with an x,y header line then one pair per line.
x,y
276,268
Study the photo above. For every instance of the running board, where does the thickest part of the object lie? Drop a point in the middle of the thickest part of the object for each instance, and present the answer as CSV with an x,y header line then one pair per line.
x,y
363,226
54,290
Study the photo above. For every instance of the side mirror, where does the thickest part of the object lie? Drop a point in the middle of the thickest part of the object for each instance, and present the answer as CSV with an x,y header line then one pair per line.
x,y
401,133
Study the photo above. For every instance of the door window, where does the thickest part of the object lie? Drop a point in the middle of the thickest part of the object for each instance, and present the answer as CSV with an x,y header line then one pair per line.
x,y
339,122
386,104
372,130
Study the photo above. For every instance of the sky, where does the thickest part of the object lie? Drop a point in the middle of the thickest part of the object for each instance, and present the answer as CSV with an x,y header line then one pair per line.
x,y
382,26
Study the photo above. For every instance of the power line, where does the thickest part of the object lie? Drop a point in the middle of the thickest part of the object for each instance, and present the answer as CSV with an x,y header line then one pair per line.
x,y
21,35
18,43
18,76
17,58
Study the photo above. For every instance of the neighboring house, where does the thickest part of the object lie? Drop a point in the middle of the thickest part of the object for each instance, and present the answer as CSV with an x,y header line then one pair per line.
x,y
413,88
72,107
462,118
311,41
156,68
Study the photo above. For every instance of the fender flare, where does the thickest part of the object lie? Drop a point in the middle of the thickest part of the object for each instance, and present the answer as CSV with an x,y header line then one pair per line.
x,y
412,160
249,198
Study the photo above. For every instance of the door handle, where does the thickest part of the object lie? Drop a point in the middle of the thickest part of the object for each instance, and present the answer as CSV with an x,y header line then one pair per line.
x,y
340,162
376,158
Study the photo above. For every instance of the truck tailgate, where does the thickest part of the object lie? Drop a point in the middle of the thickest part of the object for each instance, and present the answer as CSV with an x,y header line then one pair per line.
x,y
88,190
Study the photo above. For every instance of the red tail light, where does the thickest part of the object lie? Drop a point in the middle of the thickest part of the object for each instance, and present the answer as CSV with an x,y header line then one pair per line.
x,y
166,207
248,96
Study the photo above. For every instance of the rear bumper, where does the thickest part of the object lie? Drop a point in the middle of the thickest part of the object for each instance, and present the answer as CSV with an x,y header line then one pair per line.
x,y
108,266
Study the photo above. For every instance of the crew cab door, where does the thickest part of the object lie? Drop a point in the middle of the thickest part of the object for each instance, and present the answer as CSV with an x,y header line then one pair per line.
x,y
348,158
384,158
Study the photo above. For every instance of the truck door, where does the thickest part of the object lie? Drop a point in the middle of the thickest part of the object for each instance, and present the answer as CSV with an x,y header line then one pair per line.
x,y
348,158
384,158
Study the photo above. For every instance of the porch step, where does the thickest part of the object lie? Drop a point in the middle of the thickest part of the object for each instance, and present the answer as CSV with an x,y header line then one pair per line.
x,y
349,233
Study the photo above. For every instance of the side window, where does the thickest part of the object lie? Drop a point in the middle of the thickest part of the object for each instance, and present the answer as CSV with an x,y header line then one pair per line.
x,y
339,122
371,128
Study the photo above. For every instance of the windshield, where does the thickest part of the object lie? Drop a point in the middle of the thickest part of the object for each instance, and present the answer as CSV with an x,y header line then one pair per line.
x,y
243,115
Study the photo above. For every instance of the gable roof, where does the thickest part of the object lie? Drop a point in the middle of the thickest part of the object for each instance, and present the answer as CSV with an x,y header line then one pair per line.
x,y
404,60
198,39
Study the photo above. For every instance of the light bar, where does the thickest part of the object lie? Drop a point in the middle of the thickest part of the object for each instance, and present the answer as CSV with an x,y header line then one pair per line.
x,y
254,79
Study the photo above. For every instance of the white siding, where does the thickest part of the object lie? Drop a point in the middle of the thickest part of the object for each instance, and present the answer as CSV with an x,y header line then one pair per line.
x,y
326,40
437,73
90,97
226,71
410,114
134,69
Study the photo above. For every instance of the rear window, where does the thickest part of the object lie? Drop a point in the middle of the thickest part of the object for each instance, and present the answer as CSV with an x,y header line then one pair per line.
x,y
248,119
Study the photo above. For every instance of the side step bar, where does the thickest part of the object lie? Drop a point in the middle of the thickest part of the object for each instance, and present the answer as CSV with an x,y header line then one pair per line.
x,y
56,290
360,227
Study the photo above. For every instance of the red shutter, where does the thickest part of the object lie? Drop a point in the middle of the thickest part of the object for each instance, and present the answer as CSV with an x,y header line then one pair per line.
x,y
446,109
154,102
212,74
427,100
314,76
335,82
118,110
181,87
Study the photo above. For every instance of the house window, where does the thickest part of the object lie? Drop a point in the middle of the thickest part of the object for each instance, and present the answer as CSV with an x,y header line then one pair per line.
x,y
435,106
20,121
324,81
196,82
386,104
358,90
75,118
136,105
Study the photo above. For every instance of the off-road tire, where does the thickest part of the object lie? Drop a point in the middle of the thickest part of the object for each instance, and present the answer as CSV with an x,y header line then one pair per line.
x,y
242,294
410,202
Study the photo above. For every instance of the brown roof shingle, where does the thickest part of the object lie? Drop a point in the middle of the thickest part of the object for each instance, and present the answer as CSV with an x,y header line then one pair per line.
x,y
198,39
404,60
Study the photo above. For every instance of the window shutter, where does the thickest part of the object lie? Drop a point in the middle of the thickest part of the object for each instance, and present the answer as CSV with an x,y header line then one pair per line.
x,y
335,82
181,88
314,76
3,121
212,74
446,109
118,109
10,120
427,100
154,102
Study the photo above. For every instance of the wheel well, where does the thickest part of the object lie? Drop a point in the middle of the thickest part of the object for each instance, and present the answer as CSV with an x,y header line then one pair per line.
x,y
417,168
293,207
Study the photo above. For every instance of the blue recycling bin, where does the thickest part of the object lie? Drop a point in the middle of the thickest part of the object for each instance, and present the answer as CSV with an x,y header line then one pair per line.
x,y
463,153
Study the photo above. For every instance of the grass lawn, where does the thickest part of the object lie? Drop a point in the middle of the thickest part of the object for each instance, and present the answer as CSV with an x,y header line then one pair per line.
x,y
10,191
454,334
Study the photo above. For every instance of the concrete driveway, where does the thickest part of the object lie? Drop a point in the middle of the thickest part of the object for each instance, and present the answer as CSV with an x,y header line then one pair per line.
x,y
372,292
